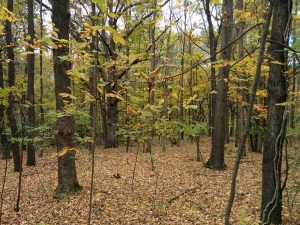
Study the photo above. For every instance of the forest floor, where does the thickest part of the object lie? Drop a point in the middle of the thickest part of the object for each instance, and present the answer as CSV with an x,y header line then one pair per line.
x,y
178,191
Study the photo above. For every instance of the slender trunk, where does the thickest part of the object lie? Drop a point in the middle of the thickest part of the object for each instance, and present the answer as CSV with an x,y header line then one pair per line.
x,y
14,145
41,69
182,64
165,85
151,79
93,83
4,140
249,115
241,91
30,87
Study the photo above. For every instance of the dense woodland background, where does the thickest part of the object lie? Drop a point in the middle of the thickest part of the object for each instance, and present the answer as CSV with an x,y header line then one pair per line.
x,y
143,112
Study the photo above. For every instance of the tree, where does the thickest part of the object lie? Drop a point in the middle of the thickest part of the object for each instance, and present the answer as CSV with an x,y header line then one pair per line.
x,y
64,130
213,44
14,143
216,160
30,86
271,205
4,140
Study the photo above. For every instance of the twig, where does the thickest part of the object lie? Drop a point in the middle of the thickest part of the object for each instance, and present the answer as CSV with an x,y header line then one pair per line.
x,y
183,193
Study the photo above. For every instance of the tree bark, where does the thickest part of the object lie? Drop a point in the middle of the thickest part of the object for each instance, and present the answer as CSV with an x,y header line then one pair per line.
x,y
14,144
111,140
271,205
30,87
4,140
216,160
64,130
41,69
213,43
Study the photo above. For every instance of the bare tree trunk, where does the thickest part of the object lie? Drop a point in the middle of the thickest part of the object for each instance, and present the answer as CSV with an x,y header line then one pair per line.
x,y
271,205
14,145
216,160
93,84
64,130
241,90
4,140
30,87
182,66
213,43
41,69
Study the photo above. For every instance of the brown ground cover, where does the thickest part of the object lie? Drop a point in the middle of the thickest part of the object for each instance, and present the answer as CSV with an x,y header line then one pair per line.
x,y
179,190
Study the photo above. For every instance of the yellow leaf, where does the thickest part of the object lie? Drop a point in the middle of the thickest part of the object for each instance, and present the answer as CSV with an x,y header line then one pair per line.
x,y
65,150
114,95
118,39
54,34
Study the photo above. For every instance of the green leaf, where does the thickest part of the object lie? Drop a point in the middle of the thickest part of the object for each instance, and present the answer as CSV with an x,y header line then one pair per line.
x,y
147,114
101,4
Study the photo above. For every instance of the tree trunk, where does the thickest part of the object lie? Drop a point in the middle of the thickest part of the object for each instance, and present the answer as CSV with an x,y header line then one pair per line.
x,y
112,102
151,80
4,140
216,160
241,76
213,43
112,120
271,205
93,84
14,145
41,70
182,66
64,130
30,87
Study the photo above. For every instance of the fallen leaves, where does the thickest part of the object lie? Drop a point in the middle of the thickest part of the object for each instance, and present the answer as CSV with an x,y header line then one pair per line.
x,y
180,191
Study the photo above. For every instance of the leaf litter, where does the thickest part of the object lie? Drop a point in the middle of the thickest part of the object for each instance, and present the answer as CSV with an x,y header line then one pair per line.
x,y
178,191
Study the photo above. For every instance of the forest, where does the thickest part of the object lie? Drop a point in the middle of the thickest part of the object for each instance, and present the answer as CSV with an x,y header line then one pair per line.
x,y
150,112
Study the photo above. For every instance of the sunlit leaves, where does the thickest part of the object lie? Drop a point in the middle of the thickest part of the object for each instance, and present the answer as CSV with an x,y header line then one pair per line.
x,y
5,14
65,150
115,95
89,29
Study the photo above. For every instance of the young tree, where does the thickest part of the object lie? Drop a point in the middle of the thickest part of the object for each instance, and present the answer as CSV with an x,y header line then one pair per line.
x,y
216,160
271,204
14,145
64,130
30,86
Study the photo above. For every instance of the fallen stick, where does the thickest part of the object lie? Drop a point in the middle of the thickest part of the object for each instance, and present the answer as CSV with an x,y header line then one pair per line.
x,y
183,193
